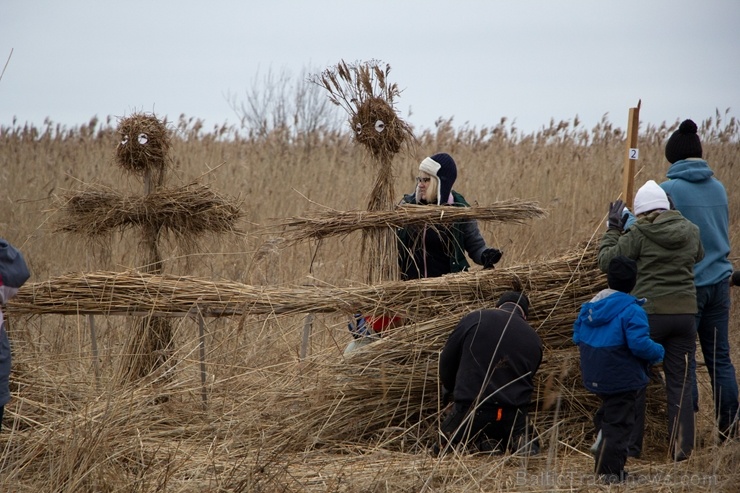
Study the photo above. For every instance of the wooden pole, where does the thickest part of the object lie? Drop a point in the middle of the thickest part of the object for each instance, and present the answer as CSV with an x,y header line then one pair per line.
x,y
202,351
628,183
94,341
307,325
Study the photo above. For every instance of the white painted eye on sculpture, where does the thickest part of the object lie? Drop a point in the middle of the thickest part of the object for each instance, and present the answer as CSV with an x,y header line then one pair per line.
x,y
143,139
379,126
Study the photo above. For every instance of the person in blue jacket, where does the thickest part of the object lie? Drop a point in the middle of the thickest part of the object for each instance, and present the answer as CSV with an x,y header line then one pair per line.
x,y
702,199
613,337
13,273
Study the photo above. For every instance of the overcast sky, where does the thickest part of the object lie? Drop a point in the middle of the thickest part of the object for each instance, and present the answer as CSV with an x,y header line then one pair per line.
x,y
473,60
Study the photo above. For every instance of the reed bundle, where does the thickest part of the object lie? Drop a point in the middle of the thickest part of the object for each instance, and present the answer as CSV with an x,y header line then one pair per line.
x,y
334,223
187,211
556,289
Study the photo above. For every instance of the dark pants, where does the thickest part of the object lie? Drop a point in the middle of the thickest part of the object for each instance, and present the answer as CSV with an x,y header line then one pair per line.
x,y
677,334
712,324
488,426
615,419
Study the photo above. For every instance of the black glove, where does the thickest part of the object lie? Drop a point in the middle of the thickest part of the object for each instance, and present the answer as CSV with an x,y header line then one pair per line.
x,y
490,256
735,278
616,215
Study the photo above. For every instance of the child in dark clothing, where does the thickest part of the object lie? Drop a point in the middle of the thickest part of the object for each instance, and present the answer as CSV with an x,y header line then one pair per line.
x,y
613,336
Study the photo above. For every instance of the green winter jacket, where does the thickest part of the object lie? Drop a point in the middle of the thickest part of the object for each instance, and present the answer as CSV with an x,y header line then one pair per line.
x,y
665,246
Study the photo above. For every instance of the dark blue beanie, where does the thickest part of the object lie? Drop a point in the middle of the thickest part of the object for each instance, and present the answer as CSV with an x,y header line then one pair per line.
x,y
444,168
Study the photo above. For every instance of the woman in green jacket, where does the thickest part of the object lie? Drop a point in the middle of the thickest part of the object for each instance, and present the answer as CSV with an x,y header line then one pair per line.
x,y
665,246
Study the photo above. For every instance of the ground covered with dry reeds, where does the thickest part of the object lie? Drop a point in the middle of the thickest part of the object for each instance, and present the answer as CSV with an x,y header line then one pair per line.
x,y
250,400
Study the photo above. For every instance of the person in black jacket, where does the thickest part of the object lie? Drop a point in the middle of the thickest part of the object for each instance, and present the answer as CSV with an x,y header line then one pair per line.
x,y
433,250
487,368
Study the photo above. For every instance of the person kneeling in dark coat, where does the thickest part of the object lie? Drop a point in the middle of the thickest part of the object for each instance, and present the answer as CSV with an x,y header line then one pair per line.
x,y
487,368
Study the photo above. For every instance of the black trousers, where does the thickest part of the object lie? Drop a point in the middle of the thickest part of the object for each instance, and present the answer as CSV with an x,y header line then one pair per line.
x,y
503,425
677,334
615,419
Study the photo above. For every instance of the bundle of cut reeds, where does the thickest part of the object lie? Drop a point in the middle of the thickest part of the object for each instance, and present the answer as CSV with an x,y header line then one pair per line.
x,y
335,223
387,392
186,212
556,289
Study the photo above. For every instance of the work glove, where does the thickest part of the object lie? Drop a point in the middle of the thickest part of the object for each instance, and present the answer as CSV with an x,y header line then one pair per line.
x,y
490,256
617,216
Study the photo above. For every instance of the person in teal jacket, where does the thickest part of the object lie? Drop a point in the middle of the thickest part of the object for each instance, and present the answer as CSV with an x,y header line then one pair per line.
x,y
613,338
435,250
702,199
665,246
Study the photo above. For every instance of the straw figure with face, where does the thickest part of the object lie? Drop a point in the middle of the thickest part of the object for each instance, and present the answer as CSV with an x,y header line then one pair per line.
x,y
144,151
184,212
364,92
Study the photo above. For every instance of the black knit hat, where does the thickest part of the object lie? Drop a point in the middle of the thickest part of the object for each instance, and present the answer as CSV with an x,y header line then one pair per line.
x,y
683,143
515,297
622,274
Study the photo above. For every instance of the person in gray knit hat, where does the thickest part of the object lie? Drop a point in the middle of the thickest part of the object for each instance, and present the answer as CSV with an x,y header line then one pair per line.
x,y
702,199
435,250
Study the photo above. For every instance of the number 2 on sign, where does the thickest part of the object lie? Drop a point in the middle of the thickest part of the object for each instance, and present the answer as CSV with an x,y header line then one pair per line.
x,y
634,153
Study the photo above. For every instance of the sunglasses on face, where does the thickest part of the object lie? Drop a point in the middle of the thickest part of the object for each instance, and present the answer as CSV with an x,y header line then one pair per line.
x,y
420,179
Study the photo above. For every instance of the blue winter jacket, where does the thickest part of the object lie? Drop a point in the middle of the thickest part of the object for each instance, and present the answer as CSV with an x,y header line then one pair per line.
x,y
702,199
613,337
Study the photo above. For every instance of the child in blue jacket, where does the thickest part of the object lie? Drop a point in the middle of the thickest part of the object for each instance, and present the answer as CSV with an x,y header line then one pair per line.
x,y
613,336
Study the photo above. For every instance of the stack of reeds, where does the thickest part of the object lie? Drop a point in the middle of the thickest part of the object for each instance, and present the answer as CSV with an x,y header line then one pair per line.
x,y
390,384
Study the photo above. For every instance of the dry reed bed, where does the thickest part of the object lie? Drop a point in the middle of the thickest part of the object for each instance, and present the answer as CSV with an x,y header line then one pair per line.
x,y
256,436
62,441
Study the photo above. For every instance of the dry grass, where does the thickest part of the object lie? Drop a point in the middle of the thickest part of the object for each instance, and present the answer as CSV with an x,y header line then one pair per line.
x,y
271,420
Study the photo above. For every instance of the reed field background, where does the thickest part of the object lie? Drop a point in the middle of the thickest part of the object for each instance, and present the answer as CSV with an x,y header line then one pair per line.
x,y
274,421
